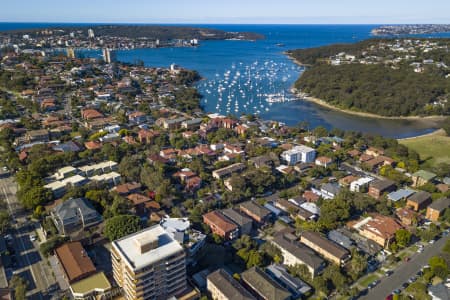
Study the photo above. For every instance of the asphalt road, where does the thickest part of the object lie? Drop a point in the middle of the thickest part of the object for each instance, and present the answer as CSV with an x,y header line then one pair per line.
x,y
29,261
405,271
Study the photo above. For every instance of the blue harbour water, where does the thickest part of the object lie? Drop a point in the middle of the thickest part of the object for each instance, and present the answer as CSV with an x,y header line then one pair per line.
x,y
239,76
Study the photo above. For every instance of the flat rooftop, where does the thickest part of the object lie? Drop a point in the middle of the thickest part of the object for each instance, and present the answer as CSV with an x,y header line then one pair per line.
x,y
94,282
128,248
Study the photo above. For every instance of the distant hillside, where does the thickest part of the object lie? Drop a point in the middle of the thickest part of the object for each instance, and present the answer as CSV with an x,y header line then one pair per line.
x,y
384,77
145,31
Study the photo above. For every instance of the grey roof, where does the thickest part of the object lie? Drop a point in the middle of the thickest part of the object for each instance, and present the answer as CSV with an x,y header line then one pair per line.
x,y
341,239
440,204
273,209
420,197
439,291
263,285
325,244
291,283
236,217
67,147
382,184
229,286
332,188
303,253
400,194
256,209
72,208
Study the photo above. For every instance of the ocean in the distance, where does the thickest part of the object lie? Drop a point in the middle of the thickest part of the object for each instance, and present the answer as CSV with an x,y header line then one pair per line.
x,y
239,76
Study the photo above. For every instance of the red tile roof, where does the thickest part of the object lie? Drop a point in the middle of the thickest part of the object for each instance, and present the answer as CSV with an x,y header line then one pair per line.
x,y
75,261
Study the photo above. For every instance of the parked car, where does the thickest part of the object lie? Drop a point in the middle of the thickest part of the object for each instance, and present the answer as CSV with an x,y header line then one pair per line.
x,y
33,237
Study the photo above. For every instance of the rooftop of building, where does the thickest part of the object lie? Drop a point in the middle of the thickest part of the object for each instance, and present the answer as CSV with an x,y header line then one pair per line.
x,y
229,286
88,285
161,245
265,286
74,260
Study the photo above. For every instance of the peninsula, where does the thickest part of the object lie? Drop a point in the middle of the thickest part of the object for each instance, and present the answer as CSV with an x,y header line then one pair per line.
x,y
410,29
384,77
116,36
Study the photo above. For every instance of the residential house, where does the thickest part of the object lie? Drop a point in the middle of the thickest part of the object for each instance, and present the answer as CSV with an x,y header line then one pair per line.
x,y
329,190
407,216
90,114
137,117
222,286
437,208
400,194
298,288
34,136
258,213
172,124
221,225
244,223
341,239
328,249
360,185
419,200
374,151
422,177
262,286
73,215
323,161
380,229
74,261
191,124
378,187
127,188
295,253
227,171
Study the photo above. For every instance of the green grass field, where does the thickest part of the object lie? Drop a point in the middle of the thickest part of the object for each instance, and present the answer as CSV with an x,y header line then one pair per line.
x,y
433,148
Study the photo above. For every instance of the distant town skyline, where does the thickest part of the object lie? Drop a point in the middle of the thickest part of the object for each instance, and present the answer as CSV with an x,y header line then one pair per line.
x,y
228,12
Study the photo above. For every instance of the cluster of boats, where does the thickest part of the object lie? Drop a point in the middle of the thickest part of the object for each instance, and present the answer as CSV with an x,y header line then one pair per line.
x,y
250,88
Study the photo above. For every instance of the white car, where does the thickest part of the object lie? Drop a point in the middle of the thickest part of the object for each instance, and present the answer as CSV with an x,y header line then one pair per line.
x,y
33,237
431,242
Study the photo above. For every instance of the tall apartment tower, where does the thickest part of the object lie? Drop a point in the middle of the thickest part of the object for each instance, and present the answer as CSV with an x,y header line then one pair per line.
x,y
149,264
108,55
91,34
70,52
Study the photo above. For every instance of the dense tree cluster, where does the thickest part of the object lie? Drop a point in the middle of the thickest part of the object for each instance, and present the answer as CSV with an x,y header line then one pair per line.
x,y
376,89
120,226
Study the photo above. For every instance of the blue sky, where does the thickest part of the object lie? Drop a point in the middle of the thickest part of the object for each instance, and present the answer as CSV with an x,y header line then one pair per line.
x,y
227,11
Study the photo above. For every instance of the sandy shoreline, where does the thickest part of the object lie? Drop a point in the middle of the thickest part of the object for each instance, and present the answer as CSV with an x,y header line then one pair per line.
x,y
436,132
369,115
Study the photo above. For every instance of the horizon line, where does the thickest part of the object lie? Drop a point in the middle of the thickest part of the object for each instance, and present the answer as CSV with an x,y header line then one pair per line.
x,y
207,23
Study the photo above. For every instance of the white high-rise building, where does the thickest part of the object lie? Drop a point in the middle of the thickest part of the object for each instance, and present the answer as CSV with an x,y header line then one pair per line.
x,y
299,154
91,34
149,264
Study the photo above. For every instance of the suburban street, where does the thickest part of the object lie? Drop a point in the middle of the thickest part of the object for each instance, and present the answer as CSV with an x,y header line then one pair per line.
x,y
405,271
30,264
